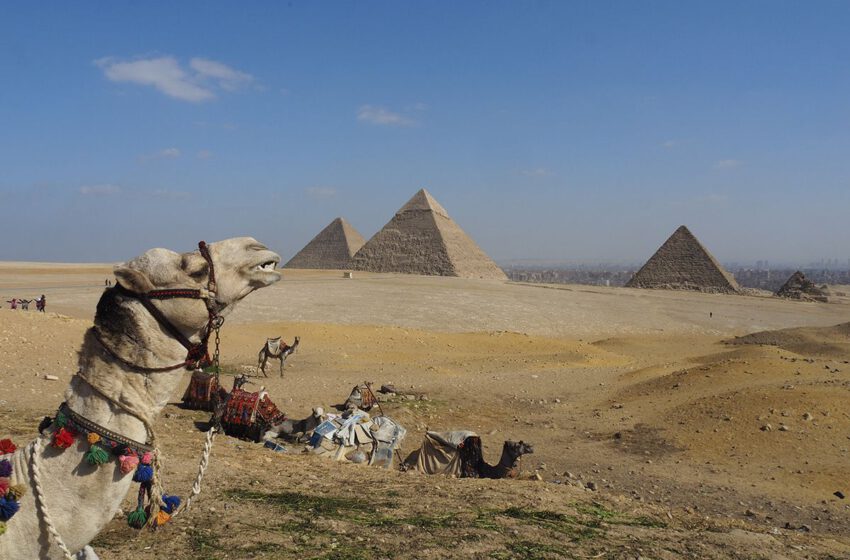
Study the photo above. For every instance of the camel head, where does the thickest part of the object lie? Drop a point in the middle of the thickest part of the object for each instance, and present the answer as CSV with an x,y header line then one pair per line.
x,y
518,448
241,265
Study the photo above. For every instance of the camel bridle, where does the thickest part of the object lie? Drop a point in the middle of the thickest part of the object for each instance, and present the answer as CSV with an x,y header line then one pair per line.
x,y
197,354
197,357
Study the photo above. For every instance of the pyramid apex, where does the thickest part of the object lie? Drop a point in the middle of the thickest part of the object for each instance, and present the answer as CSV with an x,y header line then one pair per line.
x,y
423,200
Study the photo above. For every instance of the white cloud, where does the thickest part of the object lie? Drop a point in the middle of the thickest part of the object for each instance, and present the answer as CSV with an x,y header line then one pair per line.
x,y
670,144
228,78
728,164
168,76
204,154
537,172
100,190
321,192
167,153
381,116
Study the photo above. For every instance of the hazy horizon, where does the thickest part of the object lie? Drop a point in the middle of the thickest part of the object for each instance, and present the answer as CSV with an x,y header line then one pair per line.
x,y
577,132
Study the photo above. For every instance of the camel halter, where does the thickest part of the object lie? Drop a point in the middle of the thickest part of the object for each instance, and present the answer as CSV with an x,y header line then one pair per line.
x,y
197,354
197,357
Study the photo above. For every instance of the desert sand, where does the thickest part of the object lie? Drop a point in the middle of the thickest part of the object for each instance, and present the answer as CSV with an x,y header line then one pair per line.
x,y
661,429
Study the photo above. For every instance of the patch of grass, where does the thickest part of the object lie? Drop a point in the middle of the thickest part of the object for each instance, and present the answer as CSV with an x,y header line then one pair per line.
x,y
205,544
528,550
296,502
566,525
445,521
598,514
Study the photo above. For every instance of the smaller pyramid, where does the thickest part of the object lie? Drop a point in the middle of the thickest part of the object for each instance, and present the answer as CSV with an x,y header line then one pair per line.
x,y
332,248
800,287
682,263
421,238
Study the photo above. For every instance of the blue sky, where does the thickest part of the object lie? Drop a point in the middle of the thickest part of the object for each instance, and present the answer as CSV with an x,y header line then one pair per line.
x,y
580,131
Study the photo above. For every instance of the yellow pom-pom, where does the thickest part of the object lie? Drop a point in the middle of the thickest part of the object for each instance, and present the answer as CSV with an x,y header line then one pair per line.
x,y
16,491
93,438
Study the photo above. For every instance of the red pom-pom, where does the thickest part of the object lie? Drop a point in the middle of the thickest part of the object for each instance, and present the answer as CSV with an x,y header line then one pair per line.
x,y
6,446
63,438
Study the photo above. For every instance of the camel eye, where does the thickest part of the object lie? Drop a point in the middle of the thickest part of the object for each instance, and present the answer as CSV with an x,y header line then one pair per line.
x,y
196,268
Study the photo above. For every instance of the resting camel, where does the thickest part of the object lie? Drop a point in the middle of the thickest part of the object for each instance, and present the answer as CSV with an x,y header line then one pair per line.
x,y
129,365
508,463
277,349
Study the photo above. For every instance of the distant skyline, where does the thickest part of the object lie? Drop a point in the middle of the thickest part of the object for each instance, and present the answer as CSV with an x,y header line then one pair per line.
x,y
557,131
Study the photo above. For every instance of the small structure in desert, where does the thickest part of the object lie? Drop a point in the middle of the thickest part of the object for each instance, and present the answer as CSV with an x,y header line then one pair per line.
x,y
422,239
800,287
332,248
682,263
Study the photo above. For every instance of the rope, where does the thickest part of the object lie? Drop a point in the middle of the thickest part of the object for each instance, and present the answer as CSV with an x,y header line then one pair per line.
x,y
35,451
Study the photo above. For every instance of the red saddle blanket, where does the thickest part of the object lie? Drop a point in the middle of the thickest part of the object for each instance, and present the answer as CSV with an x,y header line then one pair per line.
x,y
246,409
199,393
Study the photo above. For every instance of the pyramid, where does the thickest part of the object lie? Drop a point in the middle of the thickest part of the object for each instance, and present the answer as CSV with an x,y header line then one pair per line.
x,y
682,263
800,287
422,239
332,248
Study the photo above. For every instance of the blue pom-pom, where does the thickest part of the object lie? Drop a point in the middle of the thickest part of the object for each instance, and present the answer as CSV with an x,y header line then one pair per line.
x,y
144,473
171,503
5,468
8,508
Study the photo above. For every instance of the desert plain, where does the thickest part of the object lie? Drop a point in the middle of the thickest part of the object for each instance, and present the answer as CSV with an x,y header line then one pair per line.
x,y
664,424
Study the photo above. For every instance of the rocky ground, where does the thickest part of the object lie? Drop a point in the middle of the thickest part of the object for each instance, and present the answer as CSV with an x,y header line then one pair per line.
x,y
657,432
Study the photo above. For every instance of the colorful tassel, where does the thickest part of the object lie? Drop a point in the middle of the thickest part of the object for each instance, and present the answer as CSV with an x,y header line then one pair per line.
x,y
4,485
93,438
16,492
127,463
137,519
60,420
5,468
8,508
63,438
161,519
6,446
2,527
146,458
144,473
171,503
96,455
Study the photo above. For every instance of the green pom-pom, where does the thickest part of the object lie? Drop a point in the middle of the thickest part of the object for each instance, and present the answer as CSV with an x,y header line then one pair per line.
x,y
96,455
60,420
2,527
137,519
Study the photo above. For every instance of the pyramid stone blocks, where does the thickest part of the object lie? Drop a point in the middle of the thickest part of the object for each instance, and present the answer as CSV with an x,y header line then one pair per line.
x,y
682,263
332,248
422,239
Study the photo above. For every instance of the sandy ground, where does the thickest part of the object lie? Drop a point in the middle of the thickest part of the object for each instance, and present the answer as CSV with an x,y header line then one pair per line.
x,y
697,448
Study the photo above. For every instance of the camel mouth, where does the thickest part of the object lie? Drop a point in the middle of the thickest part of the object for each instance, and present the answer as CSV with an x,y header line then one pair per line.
x,y
263,271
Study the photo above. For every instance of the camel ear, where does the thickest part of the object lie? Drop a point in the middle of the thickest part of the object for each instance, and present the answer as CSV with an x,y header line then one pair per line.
x,y
132,279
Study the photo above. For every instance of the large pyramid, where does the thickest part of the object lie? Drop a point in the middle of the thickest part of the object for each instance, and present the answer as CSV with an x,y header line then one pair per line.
x,y
422,239
332,248
682,263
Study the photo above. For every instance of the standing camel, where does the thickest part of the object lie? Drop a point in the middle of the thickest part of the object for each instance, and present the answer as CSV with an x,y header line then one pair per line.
x,y
130,362
277,349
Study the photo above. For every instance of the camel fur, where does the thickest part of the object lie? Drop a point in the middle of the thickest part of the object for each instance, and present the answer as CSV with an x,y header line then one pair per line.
x,y
80,498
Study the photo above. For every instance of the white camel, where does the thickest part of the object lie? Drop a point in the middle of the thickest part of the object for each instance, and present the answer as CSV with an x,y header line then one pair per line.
x,y
119,388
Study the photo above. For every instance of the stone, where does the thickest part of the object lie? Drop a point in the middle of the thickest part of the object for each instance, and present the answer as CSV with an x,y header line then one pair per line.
x,y
682,263
422,239
839,494
332,248
800,287
590,485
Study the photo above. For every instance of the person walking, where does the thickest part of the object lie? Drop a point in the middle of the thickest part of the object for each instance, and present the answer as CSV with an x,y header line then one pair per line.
x,y
41,303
